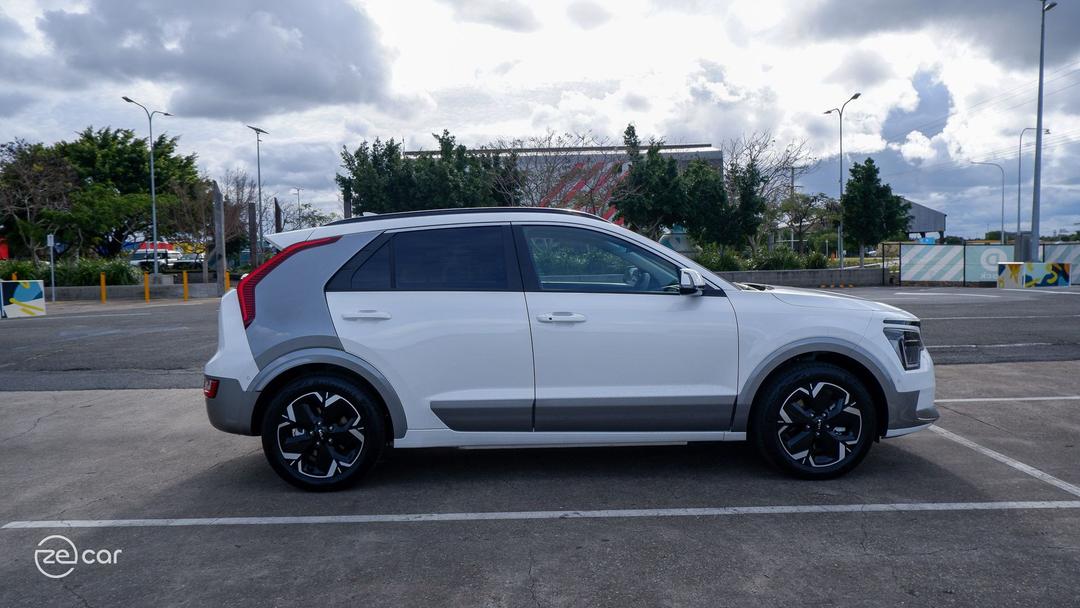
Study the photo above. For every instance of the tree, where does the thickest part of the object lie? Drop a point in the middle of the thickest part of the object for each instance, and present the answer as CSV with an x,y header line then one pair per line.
x,y
35,183
710,218
872,213
747,186
801,212
652,197
536,179
116,158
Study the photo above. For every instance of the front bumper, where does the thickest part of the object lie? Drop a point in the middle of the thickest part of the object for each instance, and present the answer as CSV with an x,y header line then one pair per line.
x,y
911,406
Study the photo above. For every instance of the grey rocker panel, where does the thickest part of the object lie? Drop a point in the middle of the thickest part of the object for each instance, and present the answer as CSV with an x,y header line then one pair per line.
x,y
659,414
340,358
901,406
290,302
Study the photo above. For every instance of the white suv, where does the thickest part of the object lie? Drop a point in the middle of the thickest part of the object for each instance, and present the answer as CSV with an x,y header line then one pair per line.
x,y
523,326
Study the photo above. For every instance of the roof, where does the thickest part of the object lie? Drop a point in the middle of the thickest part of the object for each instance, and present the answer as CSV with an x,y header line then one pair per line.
x,y
924,219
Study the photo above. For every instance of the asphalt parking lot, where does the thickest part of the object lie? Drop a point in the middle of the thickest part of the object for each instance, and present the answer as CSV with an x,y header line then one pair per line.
x,y
115,452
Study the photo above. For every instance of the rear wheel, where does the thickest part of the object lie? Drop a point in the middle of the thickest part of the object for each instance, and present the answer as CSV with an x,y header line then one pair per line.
x,y
815,421
322,432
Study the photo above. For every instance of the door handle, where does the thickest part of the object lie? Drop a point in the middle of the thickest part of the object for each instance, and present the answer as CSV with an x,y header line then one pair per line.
x,y
561,317
365,314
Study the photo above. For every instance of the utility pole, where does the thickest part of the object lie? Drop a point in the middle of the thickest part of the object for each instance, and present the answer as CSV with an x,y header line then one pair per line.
x,y
219,239
1002,169
840,202
1033,246
256,245
153,187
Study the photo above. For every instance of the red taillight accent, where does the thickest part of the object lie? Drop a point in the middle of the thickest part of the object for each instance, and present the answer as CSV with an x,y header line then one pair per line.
x,y
245,289
209,388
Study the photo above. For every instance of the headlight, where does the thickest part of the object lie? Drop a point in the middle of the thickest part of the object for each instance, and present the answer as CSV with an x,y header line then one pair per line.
x,y
908,345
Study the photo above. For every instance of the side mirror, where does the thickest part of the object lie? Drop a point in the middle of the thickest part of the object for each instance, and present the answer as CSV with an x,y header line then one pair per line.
x,y
690,282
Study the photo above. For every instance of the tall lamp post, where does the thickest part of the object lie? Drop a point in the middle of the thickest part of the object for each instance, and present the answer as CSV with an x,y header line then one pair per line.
x,y
1019,181
258,164
1002,169
153,190
1033,246
840,231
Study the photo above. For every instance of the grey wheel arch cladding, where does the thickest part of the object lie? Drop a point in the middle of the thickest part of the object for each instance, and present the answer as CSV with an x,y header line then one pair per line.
x,y
352,363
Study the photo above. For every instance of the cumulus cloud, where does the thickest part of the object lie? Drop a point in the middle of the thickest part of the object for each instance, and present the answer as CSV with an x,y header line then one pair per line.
x,y
587,15
228,60
861,69
505,14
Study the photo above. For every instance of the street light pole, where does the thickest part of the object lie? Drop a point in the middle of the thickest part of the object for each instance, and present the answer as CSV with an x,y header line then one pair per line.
x,y
840,230
258,164
1019,181
1033,246
1000,168
153,188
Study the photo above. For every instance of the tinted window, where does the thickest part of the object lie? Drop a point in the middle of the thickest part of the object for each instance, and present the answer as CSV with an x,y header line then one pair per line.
x,y
451,259
374,275
575,259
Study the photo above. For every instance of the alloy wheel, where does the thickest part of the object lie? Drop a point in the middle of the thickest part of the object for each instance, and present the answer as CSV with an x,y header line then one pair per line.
x,y
320,434
819,424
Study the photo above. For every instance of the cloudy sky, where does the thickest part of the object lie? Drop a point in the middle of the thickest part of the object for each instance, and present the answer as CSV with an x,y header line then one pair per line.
x,y
943,82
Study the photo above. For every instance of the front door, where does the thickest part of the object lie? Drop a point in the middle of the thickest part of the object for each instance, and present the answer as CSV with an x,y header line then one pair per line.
x,y
615,346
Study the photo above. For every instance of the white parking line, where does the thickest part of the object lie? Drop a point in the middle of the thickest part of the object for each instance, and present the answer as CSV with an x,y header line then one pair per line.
x,y
999,317
934,293
1016,464
527,515
991,345
992,399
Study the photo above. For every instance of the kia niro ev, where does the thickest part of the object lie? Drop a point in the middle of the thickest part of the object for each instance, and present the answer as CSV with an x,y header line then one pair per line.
x,y
525,327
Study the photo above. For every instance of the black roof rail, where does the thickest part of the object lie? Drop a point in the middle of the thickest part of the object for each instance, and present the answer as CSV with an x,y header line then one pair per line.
x,y
464,210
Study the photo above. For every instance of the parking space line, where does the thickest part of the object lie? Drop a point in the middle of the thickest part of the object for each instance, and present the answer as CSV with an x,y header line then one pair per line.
x,y
998,317
1016,464
1017,344
993,399
540,515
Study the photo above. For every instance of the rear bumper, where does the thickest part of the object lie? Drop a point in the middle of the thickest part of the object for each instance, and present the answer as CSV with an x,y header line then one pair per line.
x,y
232,408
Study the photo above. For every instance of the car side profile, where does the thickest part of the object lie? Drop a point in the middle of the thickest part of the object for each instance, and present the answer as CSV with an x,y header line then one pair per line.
x,y
509,327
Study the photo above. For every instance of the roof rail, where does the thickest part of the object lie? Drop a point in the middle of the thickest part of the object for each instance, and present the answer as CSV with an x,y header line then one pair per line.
x,y
464,210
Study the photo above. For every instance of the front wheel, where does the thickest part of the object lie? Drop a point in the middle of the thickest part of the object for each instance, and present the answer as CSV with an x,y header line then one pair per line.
x,y
322,432
814,421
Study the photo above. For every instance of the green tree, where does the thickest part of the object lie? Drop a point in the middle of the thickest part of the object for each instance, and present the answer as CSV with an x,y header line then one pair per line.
x,y
36,185
652,196
801,212
710,219
872,213
746,184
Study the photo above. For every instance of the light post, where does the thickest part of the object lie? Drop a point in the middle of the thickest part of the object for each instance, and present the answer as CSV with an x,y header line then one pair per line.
x,y
153,190
1019,181
1033,246
1000,168
258,164
840,203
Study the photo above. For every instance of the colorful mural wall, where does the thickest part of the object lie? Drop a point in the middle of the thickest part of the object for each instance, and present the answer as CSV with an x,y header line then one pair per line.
x,y
22,299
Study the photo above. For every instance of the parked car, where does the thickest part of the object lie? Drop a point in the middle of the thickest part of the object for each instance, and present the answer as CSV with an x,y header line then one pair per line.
x,y
189,261
522,326
144,259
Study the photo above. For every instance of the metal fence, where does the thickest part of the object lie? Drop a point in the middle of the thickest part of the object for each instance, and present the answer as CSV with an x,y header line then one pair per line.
x,y
966,263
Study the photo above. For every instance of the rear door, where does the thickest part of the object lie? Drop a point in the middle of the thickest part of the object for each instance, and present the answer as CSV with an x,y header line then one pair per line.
x,y
441,313
616,347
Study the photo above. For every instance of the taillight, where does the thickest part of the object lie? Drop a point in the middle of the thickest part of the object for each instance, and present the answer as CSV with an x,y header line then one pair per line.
x,y
209,387
245,289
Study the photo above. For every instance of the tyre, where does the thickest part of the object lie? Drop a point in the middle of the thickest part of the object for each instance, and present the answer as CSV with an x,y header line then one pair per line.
x,y
814,421
322,432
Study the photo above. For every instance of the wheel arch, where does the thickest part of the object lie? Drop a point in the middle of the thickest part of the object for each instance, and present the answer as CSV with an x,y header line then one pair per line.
x,y
846,356
328,361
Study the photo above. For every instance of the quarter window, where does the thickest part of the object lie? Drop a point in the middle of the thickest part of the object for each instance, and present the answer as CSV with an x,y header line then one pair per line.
x,y
576,259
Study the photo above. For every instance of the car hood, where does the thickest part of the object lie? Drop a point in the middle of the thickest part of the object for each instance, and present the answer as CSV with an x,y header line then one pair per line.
x,y
812,298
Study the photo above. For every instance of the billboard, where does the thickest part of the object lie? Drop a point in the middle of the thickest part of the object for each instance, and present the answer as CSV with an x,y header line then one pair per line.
x,y
22,299
981,262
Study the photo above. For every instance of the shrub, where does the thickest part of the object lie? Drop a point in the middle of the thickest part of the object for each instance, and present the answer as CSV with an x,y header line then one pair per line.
x,y
86,271
780,258
816,259
712,258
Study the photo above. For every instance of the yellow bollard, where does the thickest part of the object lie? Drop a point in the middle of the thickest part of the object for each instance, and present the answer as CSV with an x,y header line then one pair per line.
x,y
103,288
146,286
185,287
14,276
226,280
